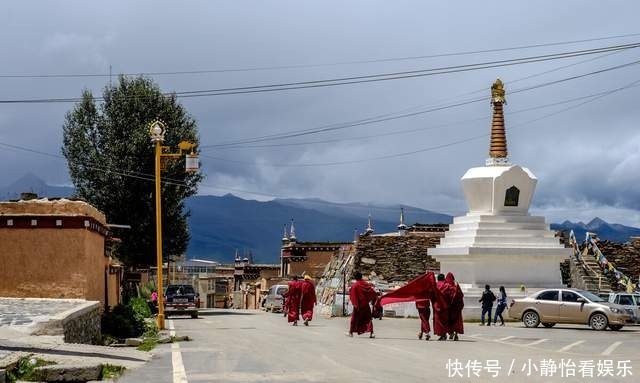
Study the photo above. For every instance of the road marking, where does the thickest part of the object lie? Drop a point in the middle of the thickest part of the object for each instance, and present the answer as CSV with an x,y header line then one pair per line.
x,y
611,348
179,374
506,338
536,342
570,346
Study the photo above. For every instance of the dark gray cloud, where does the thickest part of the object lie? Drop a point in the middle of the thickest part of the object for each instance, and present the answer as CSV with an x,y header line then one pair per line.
x,y
586,159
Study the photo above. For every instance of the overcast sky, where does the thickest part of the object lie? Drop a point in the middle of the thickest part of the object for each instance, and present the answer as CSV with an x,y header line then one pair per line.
x,y
587,159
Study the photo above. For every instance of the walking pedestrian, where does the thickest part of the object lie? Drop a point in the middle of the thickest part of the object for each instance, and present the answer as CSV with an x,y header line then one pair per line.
x,y
308,299
424,311
293,296
362,295
502,304
487,299
441,309
456,304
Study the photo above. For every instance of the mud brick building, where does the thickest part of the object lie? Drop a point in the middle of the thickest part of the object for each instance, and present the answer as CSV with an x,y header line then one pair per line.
x,y
56,248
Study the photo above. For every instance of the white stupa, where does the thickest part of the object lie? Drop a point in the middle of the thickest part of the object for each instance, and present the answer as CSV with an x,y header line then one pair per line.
x,y
498,242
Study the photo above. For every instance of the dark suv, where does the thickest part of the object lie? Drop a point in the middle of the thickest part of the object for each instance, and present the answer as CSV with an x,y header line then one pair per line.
x,y
181,300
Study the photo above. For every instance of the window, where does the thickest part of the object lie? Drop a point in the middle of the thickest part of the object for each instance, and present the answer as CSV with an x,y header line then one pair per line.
x,y
551,295
34,222
58,222
9,222
625,300
511,196
569,296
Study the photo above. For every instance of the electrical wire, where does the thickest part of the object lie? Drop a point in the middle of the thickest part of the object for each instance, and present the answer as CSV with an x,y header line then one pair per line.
x,y
298,66
431,148
414,130
354,79
391,116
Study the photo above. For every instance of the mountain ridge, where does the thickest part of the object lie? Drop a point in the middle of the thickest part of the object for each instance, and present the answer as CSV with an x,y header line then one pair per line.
x,y
221,224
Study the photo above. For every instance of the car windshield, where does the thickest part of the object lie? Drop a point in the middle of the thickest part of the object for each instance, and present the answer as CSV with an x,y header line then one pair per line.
x,y
591,297
282,290
180,290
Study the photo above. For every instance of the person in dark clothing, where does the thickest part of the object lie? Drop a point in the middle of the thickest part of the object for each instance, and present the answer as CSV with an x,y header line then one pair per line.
x,y
502,304
487,299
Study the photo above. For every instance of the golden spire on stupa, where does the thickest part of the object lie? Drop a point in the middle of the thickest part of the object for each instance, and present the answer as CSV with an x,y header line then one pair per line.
x,y
498,145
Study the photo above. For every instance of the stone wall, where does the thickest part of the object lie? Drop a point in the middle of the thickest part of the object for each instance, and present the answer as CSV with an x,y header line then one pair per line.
x,y
80,324
395,258
625,257
84,327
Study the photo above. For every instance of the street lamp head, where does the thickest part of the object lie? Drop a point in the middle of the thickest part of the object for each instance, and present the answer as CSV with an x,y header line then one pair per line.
x,y
157,128
192,164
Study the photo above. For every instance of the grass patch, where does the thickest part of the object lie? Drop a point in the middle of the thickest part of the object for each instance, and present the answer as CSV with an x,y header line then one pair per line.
x,y
25,369
109,371
150,337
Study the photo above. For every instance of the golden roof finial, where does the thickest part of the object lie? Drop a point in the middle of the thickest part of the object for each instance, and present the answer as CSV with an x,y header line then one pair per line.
x,y
498,145
497,92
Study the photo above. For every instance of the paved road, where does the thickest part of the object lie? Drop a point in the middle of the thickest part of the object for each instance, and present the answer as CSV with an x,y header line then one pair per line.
x,y
246,346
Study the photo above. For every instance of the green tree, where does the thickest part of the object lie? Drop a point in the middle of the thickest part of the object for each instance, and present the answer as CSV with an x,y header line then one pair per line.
x,y
111,163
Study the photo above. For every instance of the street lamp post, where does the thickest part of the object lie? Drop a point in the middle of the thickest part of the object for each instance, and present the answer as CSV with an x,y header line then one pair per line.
x,y
157,130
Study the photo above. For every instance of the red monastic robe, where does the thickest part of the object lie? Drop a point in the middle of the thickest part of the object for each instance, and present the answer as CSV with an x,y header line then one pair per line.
x,y
455,305
308,295
361,295
424,311
441,310
293,306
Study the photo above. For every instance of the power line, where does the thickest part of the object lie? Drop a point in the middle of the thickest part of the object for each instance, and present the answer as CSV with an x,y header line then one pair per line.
x,y
413,108
130,174
355,79
299,66
432,148
392,116
414,130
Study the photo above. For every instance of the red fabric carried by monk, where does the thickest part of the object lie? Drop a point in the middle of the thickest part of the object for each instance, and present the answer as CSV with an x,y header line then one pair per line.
x,y
418,289
308,292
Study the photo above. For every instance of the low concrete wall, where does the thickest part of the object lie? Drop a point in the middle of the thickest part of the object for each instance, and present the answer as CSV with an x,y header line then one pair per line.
x,y
78,325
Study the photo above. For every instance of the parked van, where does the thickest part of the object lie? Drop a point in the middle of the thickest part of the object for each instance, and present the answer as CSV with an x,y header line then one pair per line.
x,y
275,298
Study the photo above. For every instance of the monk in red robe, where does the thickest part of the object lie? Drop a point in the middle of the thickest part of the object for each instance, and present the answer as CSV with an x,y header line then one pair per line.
x,y
293,298
441,309
424,311
308,299
362,294
456,305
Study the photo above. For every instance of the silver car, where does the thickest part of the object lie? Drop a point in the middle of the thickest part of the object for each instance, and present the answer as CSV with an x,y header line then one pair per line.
x,y
630,301
569,306
275,298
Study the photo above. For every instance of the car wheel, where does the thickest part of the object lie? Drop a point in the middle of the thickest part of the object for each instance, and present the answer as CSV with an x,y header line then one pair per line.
x,y
615,327
598,321
194,315
531,319
548,325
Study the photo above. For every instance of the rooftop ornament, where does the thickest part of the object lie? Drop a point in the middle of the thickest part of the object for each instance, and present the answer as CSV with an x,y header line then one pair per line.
x,y
498,145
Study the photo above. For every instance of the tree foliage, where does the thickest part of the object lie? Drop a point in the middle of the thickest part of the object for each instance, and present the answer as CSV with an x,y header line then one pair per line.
x,y
111,163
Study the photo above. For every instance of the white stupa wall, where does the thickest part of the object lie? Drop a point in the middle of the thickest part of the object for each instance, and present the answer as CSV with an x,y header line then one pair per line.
x,y
498,244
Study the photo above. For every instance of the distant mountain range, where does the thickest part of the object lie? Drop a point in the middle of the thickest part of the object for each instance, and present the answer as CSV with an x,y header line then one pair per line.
x,y
220,225
31,183
610,231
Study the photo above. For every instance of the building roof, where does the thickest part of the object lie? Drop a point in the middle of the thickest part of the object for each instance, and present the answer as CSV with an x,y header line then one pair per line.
x,y
52,207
